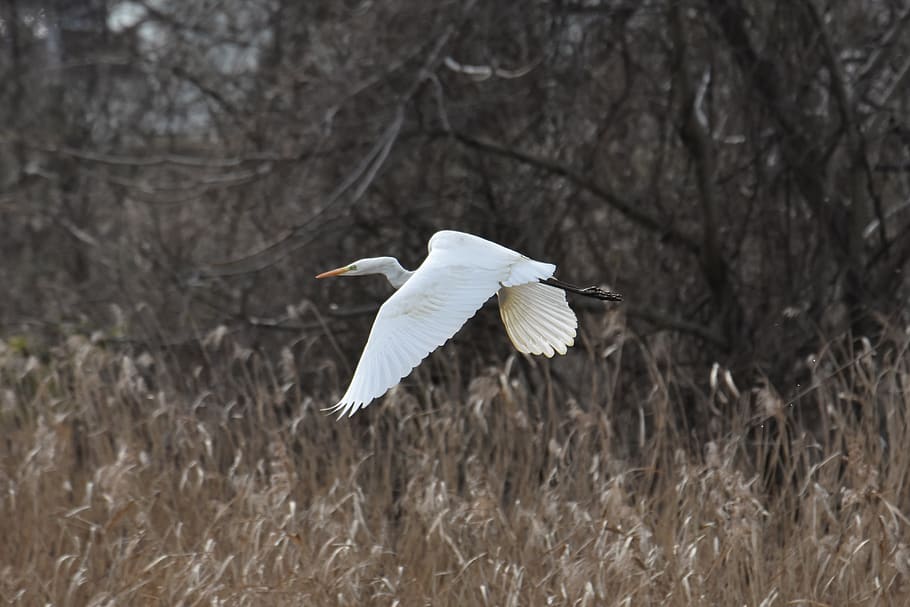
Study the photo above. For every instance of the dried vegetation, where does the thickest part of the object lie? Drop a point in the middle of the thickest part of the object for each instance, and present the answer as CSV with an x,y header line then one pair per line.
x,y
130,480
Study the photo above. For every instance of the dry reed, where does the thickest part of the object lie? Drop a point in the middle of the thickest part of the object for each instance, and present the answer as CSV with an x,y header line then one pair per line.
x,y
129,479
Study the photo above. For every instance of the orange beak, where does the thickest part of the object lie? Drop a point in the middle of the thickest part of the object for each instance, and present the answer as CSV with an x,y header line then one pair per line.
x,y
335,272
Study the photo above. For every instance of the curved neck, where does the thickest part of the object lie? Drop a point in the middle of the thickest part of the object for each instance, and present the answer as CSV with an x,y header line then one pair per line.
x,y
396,274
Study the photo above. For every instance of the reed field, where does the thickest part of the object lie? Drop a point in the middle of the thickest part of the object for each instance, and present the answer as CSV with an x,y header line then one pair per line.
x,y
132,478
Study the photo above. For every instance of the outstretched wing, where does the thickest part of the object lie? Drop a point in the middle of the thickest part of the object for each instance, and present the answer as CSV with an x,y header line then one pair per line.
x,y
460,274
418,318
537,318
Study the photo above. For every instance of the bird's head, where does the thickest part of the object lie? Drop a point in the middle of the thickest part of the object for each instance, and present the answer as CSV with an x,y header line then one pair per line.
x,y
362,267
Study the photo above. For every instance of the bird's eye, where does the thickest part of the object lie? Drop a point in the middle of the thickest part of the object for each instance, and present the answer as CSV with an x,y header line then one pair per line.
x,y
352,267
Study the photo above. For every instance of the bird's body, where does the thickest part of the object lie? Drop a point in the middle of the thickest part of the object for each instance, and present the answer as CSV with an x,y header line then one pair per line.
x,y
460,273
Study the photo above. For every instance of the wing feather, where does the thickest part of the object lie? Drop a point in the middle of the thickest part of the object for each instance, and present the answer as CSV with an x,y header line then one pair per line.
x,y
537,318
418,318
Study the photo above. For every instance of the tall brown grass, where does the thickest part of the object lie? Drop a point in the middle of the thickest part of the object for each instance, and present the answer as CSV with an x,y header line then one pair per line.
x,y
131,478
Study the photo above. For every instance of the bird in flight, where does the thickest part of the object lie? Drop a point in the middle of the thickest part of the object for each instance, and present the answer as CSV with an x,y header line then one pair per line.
x,y
460,273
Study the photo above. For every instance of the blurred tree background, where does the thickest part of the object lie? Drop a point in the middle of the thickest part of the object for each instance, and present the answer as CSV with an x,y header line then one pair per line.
x,y
739,169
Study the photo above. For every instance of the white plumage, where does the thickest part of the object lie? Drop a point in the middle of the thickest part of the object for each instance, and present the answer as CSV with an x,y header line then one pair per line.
x,y
537,318
461,272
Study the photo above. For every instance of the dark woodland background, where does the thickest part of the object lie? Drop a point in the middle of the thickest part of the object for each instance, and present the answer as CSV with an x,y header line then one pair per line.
x,y
740,170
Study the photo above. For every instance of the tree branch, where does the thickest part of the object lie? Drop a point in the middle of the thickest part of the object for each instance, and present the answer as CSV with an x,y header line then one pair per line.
x,y
856,143
628,208
360,178
695,135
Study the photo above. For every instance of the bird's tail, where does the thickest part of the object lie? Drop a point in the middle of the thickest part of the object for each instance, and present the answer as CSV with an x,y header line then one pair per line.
x,y
528,270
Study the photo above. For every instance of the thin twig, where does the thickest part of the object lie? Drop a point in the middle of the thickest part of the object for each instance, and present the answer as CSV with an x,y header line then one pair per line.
x,y
628,208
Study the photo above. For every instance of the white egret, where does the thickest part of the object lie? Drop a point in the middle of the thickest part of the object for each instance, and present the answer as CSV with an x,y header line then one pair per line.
x,y
461,272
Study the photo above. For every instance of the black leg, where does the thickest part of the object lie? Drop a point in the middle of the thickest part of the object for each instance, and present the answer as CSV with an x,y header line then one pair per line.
x,y
595,292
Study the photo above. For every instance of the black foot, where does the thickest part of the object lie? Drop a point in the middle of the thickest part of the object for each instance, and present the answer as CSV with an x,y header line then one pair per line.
x,y
601,294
